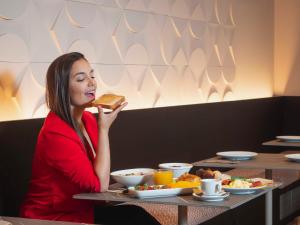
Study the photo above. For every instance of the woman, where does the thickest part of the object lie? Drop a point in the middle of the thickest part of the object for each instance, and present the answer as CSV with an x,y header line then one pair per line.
x,y
72,152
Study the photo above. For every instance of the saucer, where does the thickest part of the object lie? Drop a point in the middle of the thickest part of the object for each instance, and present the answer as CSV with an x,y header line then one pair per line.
x,y
211,198
215,195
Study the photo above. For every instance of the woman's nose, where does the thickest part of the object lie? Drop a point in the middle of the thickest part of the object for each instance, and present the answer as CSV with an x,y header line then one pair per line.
x,y
92,81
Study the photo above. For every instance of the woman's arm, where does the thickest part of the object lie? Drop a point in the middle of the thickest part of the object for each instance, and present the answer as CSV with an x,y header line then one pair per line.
x,y
102,160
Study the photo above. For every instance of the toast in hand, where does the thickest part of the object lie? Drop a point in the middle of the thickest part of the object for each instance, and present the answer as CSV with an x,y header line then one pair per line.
x,y
109,101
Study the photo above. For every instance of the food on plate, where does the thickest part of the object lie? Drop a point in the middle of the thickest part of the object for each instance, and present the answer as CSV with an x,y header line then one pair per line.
x,y
212,174
186,180
146,187
132,177
241,182
189,177
265,182
135,174
205,173
183,184
109,101
237,183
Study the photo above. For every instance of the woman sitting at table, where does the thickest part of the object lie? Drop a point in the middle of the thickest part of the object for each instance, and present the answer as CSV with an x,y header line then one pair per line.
x,y
72,154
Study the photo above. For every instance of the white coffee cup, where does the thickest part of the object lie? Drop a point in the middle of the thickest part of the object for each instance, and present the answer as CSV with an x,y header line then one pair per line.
x,y
211,186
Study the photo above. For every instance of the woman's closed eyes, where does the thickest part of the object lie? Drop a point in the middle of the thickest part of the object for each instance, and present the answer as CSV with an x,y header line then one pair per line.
x,y
81,76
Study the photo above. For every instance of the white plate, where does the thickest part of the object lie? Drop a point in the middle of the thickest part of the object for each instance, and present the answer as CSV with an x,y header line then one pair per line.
x,y
293,157
211,198
243,191
168,192
237,155
177,168
289,138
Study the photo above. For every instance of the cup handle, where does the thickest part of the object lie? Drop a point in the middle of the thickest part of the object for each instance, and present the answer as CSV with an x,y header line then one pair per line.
x,y
218,188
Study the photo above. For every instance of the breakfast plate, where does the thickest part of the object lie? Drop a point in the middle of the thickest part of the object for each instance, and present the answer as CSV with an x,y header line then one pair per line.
x,y
237,155
164,192
211,198
293,157
241,186
243,191
289,138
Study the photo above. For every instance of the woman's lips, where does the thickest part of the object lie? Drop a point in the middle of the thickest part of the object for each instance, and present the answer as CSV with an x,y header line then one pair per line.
x,y
90,95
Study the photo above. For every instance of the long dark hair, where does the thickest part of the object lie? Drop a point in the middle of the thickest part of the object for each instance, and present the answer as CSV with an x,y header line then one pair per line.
x,y
57,87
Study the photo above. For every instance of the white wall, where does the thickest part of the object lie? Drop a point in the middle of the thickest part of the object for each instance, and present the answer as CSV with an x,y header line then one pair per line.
x,y
287,47
155,52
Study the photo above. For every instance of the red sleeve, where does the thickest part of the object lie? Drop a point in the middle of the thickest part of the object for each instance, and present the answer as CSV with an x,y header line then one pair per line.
x,y
66,155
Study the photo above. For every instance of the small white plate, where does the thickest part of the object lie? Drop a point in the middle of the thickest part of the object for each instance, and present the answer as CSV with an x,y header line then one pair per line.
x,y
289,138
168,192
293,157
237,155
211,198
177,168
243,191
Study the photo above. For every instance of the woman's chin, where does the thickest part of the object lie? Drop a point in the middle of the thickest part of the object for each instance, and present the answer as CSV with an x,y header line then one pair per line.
x,y
89,104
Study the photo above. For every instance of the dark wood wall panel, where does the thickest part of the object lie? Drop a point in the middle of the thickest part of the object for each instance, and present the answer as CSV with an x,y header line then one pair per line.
x,y
291,116
17,143
189,133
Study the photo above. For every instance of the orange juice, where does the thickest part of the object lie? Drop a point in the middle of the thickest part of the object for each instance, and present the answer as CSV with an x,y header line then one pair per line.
x,y
163,177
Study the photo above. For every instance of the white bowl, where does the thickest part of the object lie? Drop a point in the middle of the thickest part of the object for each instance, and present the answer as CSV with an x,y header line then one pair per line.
x,y
132,177
177,168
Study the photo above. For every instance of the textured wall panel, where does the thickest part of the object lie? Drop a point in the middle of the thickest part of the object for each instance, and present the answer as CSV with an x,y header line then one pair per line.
x,y
180,9
149,89
160,7
86,48
12,9
111,74
109,3
190,92
20,51
140,5
80,14
155,52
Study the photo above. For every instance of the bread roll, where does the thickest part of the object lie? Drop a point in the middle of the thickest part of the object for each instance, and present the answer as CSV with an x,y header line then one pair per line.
x,y
189,177
205,173
109,101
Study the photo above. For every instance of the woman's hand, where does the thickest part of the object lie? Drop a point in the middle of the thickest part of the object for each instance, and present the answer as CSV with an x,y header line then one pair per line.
x,y
102,159
105,120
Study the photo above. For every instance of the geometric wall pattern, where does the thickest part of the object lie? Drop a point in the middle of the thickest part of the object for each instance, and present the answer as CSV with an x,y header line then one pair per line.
x,y
155,52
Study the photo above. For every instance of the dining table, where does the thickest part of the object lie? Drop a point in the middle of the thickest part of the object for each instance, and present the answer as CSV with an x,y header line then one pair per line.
x,y
279,143
5,220
181,201
266,161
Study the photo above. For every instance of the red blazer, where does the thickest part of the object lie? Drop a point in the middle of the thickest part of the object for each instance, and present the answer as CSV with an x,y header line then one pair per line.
x,y
60,169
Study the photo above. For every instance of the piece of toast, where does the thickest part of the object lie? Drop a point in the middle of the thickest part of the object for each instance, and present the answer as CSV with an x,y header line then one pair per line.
x,y
109,101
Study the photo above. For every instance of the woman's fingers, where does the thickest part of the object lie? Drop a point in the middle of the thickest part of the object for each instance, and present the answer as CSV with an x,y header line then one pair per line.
x,y
117,110
106,119
100,110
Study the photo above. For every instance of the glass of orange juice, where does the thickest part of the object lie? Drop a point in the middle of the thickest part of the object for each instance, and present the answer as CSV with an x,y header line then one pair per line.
x,y
163,176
